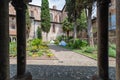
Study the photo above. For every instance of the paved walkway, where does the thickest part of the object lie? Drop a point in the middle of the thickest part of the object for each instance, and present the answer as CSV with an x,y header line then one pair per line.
x,y
68,66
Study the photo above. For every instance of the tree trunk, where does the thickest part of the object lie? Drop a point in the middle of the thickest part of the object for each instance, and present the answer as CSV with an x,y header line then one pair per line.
x,y
102,16
4,40
75,31
68,34
90,32
46,37
118,40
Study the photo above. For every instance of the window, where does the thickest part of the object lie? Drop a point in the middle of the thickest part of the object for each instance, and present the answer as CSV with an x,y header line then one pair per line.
x,y
51,17
59,18
56,18
13,26
12,18
32,14
54,28
112,21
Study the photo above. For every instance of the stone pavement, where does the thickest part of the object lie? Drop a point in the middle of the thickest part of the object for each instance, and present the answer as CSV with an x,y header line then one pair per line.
x,y
68,66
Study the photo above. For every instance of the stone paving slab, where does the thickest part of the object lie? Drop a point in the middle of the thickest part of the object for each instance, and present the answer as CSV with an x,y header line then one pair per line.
x,y
52,72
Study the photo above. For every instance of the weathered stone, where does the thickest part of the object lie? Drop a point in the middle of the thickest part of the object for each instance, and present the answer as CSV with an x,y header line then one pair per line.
x,y
27,76
20,8
4,40
118,40
102,13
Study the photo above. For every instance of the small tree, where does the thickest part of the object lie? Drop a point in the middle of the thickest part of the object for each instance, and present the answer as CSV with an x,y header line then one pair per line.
x,y
45,17
81,22
74,8
39,33
67,27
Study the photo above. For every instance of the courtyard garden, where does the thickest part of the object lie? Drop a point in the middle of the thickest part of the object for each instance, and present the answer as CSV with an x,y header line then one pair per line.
x,y
35,48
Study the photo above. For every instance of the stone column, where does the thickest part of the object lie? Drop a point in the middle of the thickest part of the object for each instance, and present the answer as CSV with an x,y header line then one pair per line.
x,y
20,8
118,40
102,16
4,40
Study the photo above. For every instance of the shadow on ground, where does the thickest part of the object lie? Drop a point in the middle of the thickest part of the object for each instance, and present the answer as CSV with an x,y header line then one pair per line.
x,y
55,72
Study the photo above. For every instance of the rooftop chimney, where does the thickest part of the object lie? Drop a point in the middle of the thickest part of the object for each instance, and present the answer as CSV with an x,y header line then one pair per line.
x,y
54,7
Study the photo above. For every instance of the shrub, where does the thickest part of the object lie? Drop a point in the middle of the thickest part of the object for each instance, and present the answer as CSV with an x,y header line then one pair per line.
x,y
40,53
30,53
56,41
77,44
34,49
39,33
59,38
13,50
36,42
89,49
113,46
112,52
50,54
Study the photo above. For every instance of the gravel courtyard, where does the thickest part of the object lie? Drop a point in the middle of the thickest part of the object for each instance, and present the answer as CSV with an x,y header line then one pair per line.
x,y
68,66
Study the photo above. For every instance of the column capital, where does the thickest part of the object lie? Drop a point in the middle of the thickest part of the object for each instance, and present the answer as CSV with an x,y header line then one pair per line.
x,y
19,4
103,2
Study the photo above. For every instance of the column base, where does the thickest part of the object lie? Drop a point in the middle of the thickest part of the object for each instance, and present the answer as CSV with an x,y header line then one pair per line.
x,y
27,76
96,77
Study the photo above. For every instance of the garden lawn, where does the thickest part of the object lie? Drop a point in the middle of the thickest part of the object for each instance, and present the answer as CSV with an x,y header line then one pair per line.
x,y
90,55
91,52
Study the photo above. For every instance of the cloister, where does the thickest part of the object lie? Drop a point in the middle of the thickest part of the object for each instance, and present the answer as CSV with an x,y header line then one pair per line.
x,y
20,7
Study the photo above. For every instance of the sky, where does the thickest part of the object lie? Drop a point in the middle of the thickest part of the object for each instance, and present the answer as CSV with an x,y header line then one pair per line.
x,y
58,3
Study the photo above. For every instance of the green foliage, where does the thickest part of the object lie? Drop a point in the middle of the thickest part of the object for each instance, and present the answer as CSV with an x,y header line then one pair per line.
x,y
45,16
36,42
112,50
67,26
50,54
56,42
78,44
73,10
60,38
30,53
39,33
40,53
81,22
113,46
37,48
89,49
28,22
13,50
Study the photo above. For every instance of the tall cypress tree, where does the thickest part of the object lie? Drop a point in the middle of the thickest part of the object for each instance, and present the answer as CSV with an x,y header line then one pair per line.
x,y
45,17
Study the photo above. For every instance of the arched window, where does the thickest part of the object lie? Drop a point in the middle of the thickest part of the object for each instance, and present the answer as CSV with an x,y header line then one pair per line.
x,y
12,26
32,13
56,18
59,18
53,28
51,17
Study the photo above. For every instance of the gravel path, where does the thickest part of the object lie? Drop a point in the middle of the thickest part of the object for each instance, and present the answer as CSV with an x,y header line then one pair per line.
x,y
68,66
